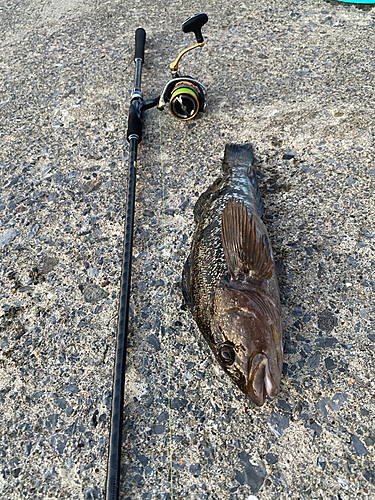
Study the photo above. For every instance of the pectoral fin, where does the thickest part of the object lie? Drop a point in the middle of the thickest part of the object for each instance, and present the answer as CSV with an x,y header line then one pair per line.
x,y
245,251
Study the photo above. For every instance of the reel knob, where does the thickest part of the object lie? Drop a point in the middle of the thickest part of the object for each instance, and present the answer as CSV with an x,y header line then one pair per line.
x,y
184,101
194,24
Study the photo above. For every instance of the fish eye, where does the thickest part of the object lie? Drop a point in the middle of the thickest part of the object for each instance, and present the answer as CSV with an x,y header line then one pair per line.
x,y
227,354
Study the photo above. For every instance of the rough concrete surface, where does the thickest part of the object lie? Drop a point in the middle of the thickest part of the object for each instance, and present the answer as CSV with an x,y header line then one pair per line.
x,y
297,80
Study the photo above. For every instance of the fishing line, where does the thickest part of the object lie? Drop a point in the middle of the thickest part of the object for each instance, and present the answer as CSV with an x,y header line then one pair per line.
x,y
166,309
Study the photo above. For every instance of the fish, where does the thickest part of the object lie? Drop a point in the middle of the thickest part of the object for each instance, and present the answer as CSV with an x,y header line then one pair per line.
x,y
229,280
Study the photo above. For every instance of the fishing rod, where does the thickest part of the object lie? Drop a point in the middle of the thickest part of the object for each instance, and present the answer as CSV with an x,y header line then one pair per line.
x,y
186,98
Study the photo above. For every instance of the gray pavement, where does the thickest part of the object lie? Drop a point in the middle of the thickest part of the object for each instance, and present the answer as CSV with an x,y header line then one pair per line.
x,y
297,80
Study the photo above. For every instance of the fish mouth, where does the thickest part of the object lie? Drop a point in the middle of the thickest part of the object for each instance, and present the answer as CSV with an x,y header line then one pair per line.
x,y
260,381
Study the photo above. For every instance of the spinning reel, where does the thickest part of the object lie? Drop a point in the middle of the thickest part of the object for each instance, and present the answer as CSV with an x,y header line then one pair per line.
x,y
185,95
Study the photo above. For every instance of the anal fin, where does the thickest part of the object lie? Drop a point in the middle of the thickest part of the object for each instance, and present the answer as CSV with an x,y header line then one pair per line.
x,y
246,252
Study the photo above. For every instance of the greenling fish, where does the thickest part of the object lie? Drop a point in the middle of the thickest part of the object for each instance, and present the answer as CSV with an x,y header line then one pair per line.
x,y
229,279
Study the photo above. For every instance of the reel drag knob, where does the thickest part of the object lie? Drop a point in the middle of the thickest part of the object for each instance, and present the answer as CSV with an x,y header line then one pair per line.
x,y
184,101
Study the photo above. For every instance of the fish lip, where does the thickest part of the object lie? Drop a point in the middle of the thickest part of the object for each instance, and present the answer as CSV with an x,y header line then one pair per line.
x,y
258,399
260,381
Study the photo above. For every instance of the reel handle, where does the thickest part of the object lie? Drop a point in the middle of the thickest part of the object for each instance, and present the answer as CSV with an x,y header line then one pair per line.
x,y
140,40
194,24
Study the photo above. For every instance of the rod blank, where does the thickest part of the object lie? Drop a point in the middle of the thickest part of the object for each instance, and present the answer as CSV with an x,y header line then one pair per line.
x,y
114,460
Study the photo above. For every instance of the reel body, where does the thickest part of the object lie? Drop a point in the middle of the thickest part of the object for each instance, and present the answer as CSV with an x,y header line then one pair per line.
x,y
185,95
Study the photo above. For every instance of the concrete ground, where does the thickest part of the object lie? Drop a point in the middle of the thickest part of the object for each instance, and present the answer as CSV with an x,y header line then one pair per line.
x,y
297,80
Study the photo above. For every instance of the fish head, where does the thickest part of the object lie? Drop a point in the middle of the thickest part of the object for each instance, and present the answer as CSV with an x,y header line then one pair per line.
x,y
247,337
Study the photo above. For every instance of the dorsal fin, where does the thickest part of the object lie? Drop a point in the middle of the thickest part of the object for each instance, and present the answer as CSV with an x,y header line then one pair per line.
x,y
245,252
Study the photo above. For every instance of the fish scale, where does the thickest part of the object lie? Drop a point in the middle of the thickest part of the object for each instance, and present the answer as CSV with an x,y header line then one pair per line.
x,y
237,310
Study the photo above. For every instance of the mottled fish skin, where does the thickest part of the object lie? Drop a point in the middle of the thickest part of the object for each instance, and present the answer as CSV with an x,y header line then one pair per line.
x,y
229,280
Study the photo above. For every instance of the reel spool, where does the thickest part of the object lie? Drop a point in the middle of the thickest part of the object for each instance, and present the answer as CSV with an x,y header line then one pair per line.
x,y
184,102
186,96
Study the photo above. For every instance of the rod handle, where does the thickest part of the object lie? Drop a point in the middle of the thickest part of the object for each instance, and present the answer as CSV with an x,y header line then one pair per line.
x,y
140,39
134,120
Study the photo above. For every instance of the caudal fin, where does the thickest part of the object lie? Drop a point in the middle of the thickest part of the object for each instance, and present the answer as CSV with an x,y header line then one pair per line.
x,y
239,159
238,154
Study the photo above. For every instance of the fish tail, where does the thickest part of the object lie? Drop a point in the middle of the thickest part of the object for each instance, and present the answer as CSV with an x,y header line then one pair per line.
x,y
241,157
238,155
